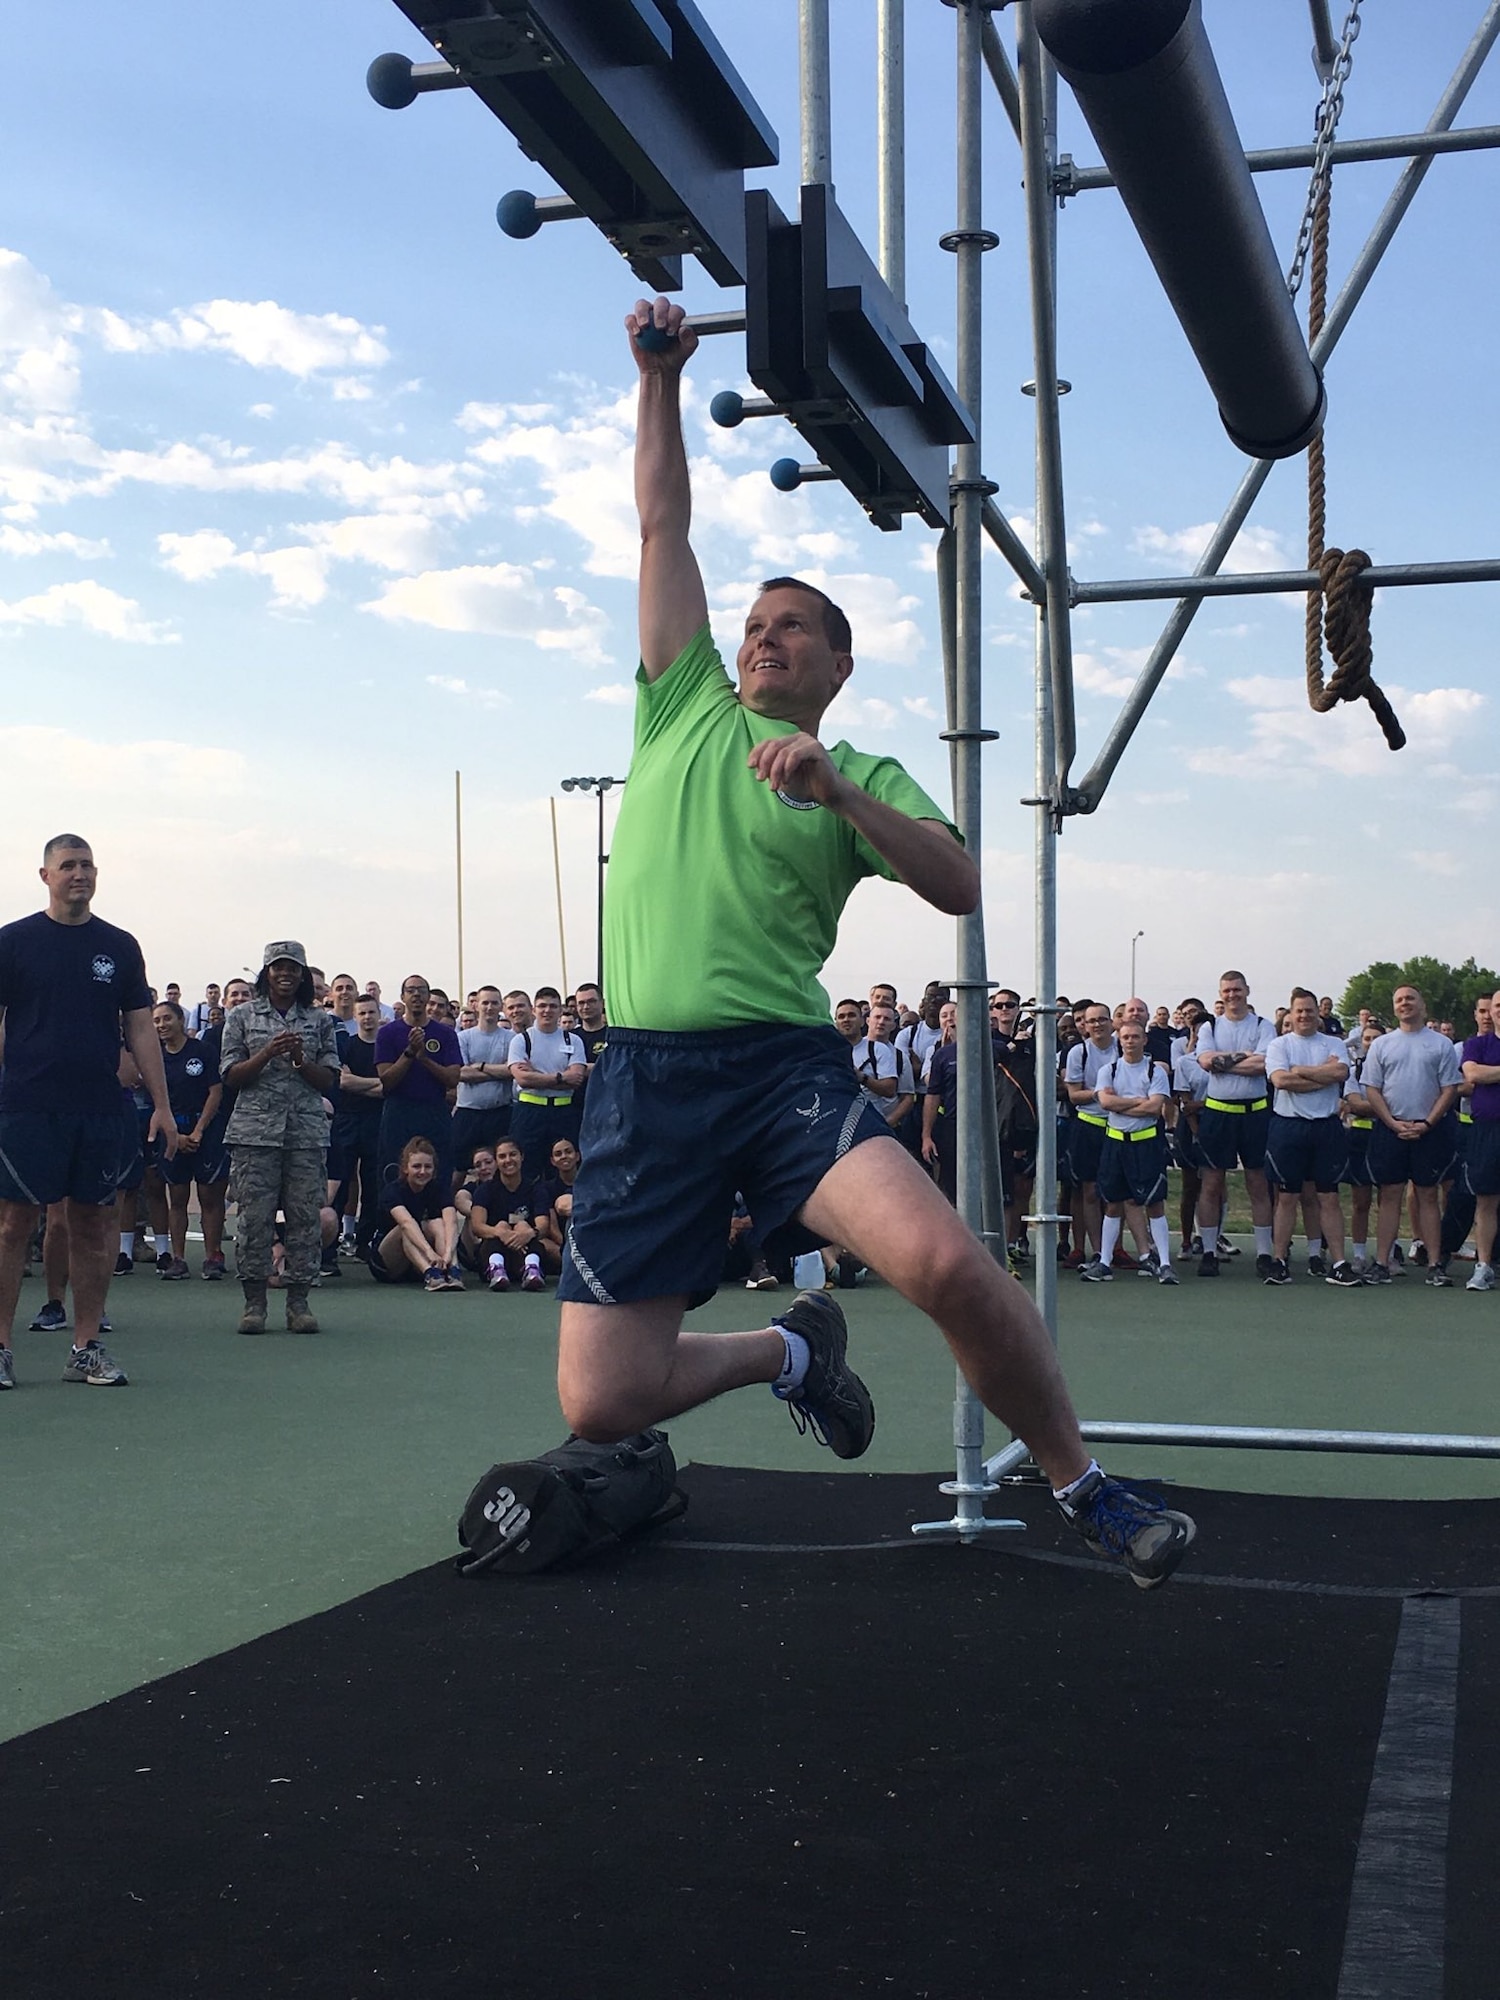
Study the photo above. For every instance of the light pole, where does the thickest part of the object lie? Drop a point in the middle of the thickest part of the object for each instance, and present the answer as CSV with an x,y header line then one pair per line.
x,y
601,786
1133,943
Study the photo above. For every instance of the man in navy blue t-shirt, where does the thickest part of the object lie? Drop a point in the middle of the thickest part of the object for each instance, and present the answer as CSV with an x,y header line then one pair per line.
x,y
67,981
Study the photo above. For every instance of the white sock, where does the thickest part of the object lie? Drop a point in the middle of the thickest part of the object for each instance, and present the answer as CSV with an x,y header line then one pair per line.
x,y
1063,1492
1263,1240
1108,1238
1161,1236
1209,1231
794,1367
1314,1246
1361,1253
127,1243
348,1229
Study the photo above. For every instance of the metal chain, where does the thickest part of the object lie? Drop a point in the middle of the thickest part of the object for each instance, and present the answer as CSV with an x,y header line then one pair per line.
x,y
1329,112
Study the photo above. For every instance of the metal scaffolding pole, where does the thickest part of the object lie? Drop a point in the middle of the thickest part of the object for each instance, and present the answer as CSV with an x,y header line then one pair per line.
x,y
1273,582
817,116
1073,180
1086,796
890,143
960,555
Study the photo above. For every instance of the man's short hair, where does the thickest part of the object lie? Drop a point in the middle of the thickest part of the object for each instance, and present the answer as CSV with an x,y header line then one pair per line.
x,y
519,993
549,993
846,1003
437,993
1235,975
486,988
588,986
64,840
340,975
1301,993
835,624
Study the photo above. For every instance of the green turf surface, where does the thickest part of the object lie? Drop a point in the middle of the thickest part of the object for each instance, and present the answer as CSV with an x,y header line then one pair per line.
x,y
238,1484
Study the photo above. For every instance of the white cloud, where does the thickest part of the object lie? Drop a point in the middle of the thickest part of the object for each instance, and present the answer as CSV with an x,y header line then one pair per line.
x,y
614,694
1285,739
1254,548
919,705
849,711
480,697
297,576
1434,861
501,600
260,333
38,355
92,606
33,542
132,770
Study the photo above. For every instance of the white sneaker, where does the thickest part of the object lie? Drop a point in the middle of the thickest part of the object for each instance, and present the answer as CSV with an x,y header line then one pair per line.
x,y
1483,1279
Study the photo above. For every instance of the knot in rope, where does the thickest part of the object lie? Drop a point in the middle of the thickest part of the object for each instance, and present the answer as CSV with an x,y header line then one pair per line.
x,y
1339,609
1345,626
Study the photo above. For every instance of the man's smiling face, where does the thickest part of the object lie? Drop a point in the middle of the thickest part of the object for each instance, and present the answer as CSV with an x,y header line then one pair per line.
x,y
787,668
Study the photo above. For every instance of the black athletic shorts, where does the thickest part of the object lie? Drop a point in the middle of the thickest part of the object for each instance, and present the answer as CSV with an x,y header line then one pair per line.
x,y
1481,1165
1085,1142
1357,1170
1426,1162
1227,1139
675,1125
59,1155
1133,1166
1307,1149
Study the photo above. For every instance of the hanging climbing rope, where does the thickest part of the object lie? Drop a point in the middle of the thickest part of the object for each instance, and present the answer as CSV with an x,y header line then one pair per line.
x,y
1338,611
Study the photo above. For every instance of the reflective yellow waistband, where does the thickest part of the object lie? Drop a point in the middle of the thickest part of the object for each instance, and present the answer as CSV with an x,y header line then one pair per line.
x,y
1362,1124
1222,1104
1091,1118
531,1097
1466,1118
1149,1132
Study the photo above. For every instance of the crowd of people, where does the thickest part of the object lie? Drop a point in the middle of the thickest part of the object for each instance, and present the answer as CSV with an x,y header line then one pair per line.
x,y
438,1140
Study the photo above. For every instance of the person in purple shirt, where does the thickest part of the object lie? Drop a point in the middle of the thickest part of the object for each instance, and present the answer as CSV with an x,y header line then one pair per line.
x,y
418,1065
1481,1064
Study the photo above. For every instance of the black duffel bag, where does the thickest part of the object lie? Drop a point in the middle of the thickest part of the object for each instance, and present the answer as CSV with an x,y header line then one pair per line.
x,y
548,1512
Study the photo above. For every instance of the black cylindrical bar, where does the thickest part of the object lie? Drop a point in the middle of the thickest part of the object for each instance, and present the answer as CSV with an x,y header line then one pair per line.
x,y
1146,81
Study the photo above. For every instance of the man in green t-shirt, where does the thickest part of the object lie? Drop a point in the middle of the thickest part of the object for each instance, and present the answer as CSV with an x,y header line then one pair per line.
x,y
740,838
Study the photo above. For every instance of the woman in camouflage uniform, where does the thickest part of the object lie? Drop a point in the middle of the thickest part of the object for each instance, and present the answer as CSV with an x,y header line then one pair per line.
x,y
281,1057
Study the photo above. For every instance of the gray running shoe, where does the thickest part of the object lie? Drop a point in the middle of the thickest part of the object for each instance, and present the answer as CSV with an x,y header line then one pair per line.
x,y
1128,1525
1483,1279
1150,1264
1096,1273
1437,1277
832,1402
53,1318
7,1369
1166,1275
96,1366
1377,1274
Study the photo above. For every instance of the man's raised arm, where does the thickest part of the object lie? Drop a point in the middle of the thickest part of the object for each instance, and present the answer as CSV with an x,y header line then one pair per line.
x,y
672,602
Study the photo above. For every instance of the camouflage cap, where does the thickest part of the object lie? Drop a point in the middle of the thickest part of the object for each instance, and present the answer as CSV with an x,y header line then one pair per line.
x,y
284,948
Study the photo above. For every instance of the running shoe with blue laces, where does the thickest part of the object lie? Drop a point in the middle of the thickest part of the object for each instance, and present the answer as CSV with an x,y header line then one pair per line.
x,y
53,1318
1128,1525
831,1401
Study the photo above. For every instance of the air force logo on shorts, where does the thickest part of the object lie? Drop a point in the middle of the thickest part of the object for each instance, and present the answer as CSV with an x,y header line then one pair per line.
x,y
104,968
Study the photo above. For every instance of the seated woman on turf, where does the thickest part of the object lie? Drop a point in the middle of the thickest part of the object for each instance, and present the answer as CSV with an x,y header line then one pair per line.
x,y
417,1233
553,1197
481,1169
503,1222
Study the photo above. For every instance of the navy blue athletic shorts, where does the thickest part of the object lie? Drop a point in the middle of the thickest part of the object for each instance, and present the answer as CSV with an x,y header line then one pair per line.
x,y
209,1164
675,1124
1426,1162
1185,1151
1227,1139
1357,1171
1307,1149
59,1155
131,1170
1085,1142
1133,1167
1481,1165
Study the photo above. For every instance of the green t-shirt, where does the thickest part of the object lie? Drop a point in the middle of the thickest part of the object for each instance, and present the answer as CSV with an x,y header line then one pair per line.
x,y
724,897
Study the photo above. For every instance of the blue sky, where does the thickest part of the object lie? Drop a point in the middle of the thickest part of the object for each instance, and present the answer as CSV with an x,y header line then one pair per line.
x,y
314,488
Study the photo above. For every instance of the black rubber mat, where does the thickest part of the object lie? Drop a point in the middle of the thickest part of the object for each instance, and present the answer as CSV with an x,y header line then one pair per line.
x,y
775,1769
